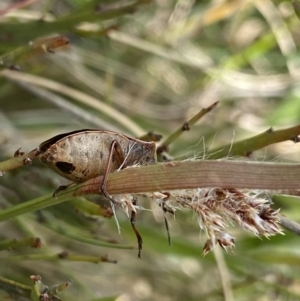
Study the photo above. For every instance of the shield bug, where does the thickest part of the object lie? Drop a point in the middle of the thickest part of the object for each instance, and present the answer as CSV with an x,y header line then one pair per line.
x,y
85,154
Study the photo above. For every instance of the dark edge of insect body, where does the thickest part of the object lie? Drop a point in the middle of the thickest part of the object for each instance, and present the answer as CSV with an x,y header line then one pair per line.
x,y
46,144
137,234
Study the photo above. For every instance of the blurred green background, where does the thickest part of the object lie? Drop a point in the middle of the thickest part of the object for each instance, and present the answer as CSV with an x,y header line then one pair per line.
x,y
134,67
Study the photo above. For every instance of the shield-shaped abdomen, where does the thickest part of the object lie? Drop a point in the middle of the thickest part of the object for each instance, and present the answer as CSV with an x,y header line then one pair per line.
x,y
82,155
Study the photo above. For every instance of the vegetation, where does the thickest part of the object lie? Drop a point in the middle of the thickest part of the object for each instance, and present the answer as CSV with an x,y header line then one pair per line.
x,y
218,80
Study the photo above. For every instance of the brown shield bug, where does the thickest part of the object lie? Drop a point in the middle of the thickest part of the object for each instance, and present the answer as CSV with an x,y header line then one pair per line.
x,y
85,154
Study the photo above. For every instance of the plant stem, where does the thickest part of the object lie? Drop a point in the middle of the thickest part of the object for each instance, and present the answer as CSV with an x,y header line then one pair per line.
x,y
197,174
18,161
247,146
173,176
185,127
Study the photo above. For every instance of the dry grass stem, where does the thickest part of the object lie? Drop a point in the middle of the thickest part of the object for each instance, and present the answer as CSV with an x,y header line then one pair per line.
x,y
218,208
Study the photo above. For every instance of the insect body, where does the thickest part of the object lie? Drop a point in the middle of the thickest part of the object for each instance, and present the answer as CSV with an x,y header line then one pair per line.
x,y
85,154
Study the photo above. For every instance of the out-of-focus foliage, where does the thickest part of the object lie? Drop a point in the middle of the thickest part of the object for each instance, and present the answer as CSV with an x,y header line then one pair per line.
x,y
135,66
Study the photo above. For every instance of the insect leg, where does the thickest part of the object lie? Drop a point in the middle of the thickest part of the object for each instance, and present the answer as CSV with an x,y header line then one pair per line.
x,y
165,210
60,188
115,147
137,234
